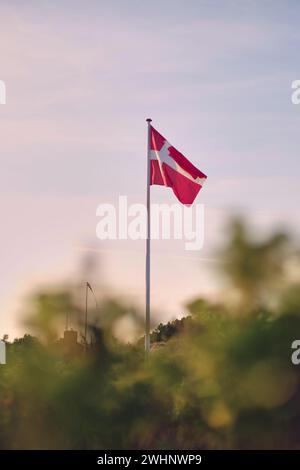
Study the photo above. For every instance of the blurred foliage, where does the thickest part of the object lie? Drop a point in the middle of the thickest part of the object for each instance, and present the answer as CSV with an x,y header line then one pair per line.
x,y
213,380
254,267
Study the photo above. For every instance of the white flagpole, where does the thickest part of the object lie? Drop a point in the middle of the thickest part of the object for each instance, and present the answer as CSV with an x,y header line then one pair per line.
x,y
147,323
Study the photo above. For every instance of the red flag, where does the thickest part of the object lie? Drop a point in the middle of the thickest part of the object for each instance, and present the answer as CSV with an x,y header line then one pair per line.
x,y
170,168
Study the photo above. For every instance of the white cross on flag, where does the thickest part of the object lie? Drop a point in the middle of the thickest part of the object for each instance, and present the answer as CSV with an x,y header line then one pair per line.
x,y
170,168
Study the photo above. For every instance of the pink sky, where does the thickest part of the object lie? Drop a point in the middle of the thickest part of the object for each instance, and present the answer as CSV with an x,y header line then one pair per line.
x,y
80,82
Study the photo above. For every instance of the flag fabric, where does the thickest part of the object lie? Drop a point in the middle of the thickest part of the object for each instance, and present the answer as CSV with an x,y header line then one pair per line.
x,y
89,286
168,167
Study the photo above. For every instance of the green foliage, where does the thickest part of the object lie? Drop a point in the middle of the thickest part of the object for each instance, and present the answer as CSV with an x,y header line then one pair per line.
x,y
165,332
217,380
252,266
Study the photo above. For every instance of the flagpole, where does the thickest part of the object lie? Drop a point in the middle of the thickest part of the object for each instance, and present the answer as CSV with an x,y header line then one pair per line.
x,y
86,313
147,322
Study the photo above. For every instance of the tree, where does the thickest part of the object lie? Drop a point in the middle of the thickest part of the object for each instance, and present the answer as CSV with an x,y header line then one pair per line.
x,y
252,266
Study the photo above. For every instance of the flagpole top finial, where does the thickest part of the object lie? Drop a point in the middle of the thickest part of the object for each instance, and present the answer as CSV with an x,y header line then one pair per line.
x,y
149,120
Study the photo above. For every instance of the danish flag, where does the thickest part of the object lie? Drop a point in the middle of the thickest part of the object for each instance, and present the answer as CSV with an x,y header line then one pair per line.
x,y
168,167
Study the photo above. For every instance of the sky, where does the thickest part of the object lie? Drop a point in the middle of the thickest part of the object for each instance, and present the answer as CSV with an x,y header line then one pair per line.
x,y
82,77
